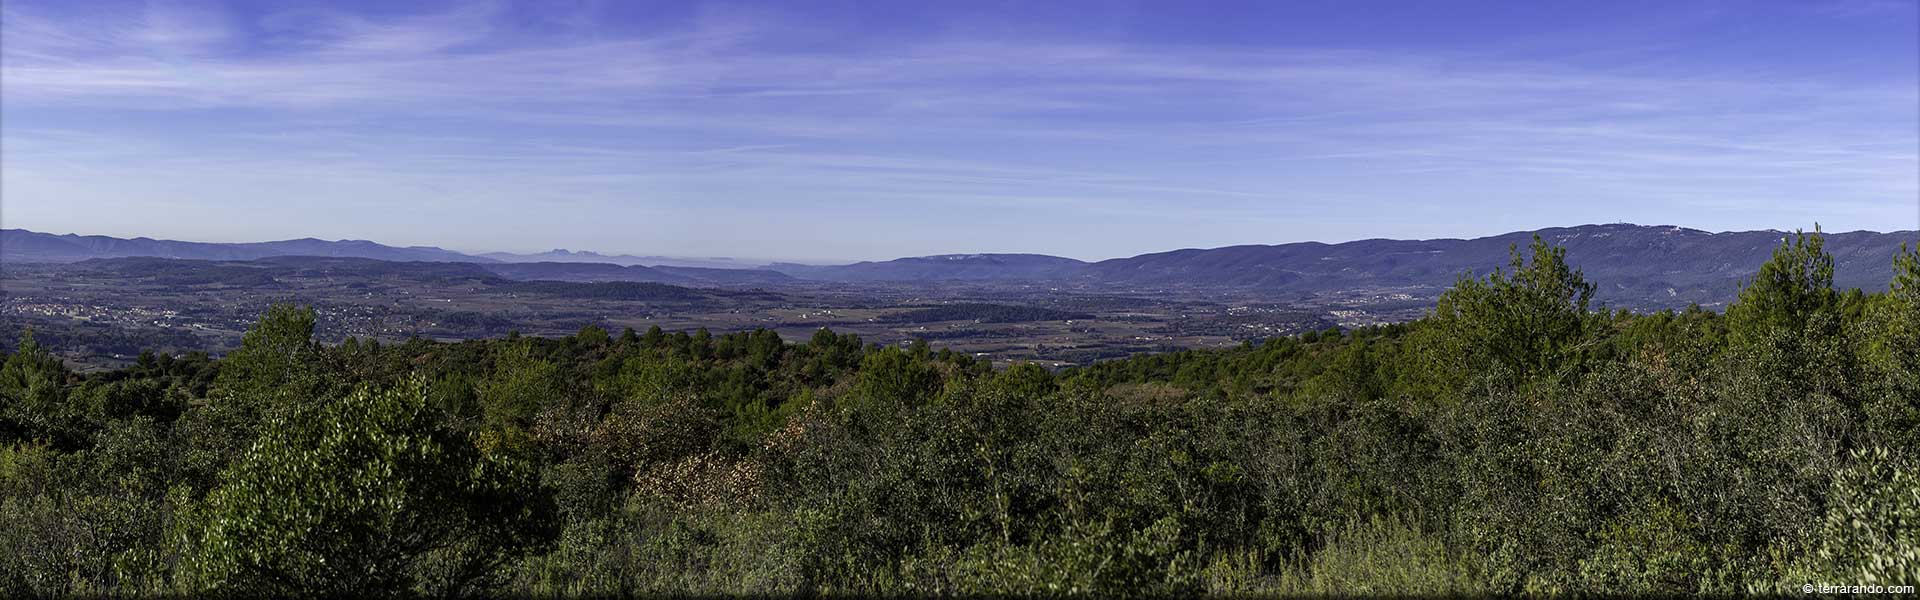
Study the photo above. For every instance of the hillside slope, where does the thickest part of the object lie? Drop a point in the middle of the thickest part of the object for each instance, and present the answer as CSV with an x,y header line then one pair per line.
x,y
20,245
1634,264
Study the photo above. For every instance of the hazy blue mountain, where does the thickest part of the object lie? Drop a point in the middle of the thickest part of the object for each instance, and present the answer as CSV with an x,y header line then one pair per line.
x,y
20,245
716,275
582,271
1658,265
1635,265
943,267
574,271
292,272
266,272
589,256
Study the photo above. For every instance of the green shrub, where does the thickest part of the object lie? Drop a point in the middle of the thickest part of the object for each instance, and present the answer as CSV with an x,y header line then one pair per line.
x,y
1084,559
366,494
1871,534
1383,556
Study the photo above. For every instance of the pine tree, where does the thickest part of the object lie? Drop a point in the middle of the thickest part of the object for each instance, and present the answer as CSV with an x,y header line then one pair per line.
x,y
1791,290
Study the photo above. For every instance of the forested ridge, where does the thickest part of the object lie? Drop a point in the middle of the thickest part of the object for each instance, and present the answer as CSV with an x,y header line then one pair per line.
x,y
1520,438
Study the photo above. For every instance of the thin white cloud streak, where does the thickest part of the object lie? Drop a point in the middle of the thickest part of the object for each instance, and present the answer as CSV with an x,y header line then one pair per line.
x,y
350,63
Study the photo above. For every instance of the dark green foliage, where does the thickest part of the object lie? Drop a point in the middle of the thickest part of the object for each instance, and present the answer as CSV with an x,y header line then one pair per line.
x,y
1791,289
1516,440
1528,323
1384,556
366,494
93,338
1871,533
33,396
1892,338
277,365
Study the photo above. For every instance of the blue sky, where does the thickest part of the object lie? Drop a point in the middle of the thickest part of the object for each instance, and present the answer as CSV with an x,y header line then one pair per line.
x,y
852,130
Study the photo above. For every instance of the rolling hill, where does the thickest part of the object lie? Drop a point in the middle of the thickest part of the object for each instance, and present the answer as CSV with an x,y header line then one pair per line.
x,y
588,256
977,267
583,272
20,245
23,246
1635,265
293,272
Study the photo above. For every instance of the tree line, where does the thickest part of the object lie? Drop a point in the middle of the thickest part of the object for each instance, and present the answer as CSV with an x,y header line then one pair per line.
x,y
1516,439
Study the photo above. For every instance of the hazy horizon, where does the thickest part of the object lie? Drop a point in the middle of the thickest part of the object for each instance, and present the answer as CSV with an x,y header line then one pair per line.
x,y
750,261
839,132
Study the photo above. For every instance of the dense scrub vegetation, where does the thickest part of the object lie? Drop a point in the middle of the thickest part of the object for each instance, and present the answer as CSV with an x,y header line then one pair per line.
x,y
1517,439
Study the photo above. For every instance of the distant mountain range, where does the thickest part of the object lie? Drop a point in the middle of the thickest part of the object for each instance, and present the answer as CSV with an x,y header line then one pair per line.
x,y
589,256
20,245
944,267
1634,265
275,272
595,272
